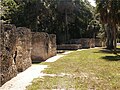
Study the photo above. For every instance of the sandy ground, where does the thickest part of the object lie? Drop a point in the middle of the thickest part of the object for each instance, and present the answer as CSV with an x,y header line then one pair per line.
x,y
25,78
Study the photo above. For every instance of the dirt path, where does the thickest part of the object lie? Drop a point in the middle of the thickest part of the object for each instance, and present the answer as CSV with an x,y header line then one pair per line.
x,y
24,79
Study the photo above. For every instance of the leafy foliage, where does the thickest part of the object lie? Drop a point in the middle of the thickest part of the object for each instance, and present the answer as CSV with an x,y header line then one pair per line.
x,y
93,28
67,18
110,14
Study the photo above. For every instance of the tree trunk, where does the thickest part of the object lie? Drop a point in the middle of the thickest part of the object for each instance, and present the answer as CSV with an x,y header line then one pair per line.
x,y
109,33
66,24
111,38
115,43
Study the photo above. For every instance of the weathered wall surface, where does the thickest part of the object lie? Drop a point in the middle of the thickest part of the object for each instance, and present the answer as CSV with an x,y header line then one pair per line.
x,y
52,45
43,46
99,43
7,53
92,43
23,46
39,46
69,47
15,49
85,42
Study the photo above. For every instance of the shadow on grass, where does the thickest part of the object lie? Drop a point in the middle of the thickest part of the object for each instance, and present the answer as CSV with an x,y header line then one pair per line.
x,y
112,58
116,57
104,50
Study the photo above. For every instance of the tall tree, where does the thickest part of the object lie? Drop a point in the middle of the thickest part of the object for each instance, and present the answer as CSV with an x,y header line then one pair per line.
x,y
110,14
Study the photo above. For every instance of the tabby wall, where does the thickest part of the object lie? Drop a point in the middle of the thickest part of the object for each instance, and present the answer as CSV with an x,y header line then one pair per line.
x,y
23,47
7,51
52,45
43,46
99,43
15,51
85,42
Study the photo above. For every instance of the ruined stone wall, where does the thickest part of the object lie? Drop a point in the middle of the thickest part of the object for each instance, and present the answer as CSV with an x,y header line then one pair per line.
x,y
23,46
43,46
52,45
92,43
84,42
69,47
99,43
39,46
7,51
15,51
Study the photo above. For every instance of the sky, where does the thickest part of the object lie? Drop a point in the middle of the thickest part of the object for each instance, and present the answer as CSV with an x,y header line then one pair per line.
x,y
92,2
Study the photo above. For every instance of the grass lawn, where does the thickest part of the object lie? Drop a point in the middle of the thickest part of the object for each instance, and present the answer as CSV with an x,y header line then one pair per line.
x,y
92,69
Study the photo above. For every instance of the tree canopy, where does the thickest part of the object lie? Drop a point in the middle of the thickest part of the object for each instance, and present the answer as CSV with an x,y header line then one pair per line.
x,y
110,15
68,18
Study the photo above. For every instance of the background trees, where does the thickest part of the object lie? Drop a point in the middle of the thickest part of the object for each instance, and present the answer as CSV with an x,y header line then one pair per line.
x,y
93,28
65,18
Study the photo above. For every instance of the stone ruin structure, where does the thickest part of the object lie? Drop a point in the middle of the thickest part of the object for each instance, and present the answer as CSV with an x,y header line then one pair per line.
x,y
16,45
52,45
87,42
23,48
75,44
7,51
69,47
99,43
43,46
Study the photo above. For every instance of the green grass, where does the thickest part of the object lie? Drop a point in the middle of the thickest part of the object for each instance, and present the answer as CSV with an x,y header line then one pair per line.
x,y
95,69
